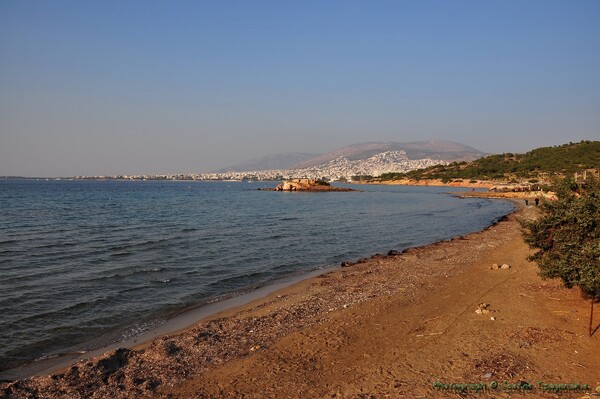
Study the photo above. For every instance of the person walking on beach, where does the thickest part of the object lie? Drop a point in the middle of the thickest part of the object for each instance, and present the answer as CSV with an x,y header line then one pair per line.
x,y
526,202
537,201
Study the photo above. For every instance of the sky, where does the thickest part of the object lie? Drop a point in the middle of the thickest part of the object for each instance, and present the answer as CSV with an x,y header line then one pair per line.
x,y
134,87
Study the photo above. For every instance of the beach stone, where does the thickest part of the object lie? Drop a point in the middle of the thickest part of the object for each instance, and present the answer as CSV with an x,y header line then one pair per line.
x,y
346,264
110,364
393,252
482,308
505,266
492,318
495,266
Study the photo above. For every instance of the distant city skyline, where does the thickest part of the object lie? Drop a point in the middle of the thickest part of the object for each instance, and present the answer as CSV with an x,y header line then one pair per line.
x,y
144,87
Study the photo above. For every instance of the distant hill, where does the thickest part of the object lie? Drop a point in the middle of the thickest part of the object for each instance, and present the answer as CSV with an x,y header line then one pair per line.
x,y
540,162
436,149
272,162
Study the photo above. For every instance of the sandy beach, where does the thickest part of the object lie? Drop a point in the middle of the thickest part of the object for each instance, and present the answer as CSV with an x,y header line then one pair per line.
x,y
405,325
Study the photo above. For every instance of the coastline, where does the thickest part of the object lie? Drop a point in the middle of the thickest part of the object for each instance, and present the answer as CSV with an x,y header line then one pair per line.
x,y
308,336
439,183
180,321
349,248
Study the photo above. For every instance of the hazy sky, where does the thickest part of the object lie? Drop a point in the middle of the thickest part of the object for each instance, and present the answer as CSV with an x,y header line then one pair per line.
x,y
106,87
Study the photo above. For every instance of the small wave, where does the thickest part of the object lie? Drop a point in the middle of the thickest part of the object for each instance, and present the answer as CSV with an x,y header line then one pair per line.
x,y
147,243
188,230
289,218
127,273
239,277
62,313
120,254
57,245
164,280
140,328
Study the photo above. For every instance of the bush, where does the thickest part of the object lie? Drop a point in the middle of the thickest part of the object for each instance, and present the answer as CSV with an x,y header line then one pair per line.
x,y
567,236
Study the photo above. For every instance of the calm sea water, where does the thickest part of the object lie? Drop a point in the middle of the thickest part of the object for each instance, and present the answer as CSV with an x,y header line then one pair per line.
x,y
86,259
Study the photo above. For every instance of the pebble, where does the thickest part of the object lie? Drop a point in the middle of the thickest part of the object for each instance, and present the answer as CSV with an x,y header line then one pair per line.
x,y
482,308
505,266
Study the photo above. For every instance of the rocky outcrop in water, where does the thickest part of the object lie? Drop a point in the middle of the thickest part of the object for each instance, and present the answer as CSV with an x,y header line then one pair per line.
x,y
307,185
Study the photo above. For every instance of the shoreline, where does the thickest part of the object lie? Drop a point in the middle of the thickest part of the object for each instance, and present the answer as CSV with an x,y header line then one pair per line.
x,y
315,311
439,183
187,318
178,321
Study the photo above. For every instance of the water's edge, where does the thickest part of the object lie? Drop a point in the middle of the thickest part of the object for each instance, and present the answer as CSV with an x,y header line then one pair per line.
x,y
182,320
190,316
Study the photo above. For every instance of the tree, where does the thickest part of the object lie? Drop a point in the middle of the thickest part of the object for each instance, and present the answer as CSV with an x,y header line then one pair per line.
x,y
567,237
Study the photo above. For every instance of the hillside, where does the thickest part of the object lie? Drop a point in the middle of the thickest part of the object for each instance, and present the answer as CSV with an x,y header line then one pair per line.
x,y
434,149
538,164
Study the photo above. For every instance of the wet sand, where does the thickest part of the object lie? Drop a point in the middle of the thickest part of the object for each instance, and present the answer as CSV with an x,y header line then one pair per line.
x,y
392,326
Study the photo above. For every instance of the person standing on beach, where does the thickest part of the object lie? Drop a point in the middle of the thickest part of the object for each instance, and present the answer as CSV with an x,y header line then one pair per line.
x,y
526,202
537,201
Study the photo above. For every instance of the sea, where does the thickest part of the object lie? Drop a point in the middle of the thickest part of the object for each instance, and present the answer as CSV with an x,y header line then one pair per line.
x,y
84,263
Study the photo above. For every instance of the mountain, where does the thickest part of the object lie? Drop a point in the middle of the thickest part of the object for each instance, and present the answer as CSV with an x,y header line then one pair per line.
x,y
436,149
271,162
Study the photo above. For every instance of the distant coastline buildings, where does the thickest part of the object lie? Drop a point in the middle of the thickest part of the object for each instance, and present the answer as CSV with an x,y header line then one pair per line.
x,y
339,169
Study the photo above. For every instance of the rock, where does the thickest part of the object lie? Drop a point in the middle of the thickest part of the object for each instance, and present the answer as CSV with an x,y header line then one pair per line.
x,y
346,263
170,348
482,308
505,266
378,256
114,360
362,260
495,266
308,185
393,252
492,318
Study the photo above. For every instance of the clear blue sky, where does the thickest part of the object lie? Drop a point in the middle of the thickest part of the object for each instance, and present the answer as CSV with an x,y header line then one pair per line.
x,y
105,87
